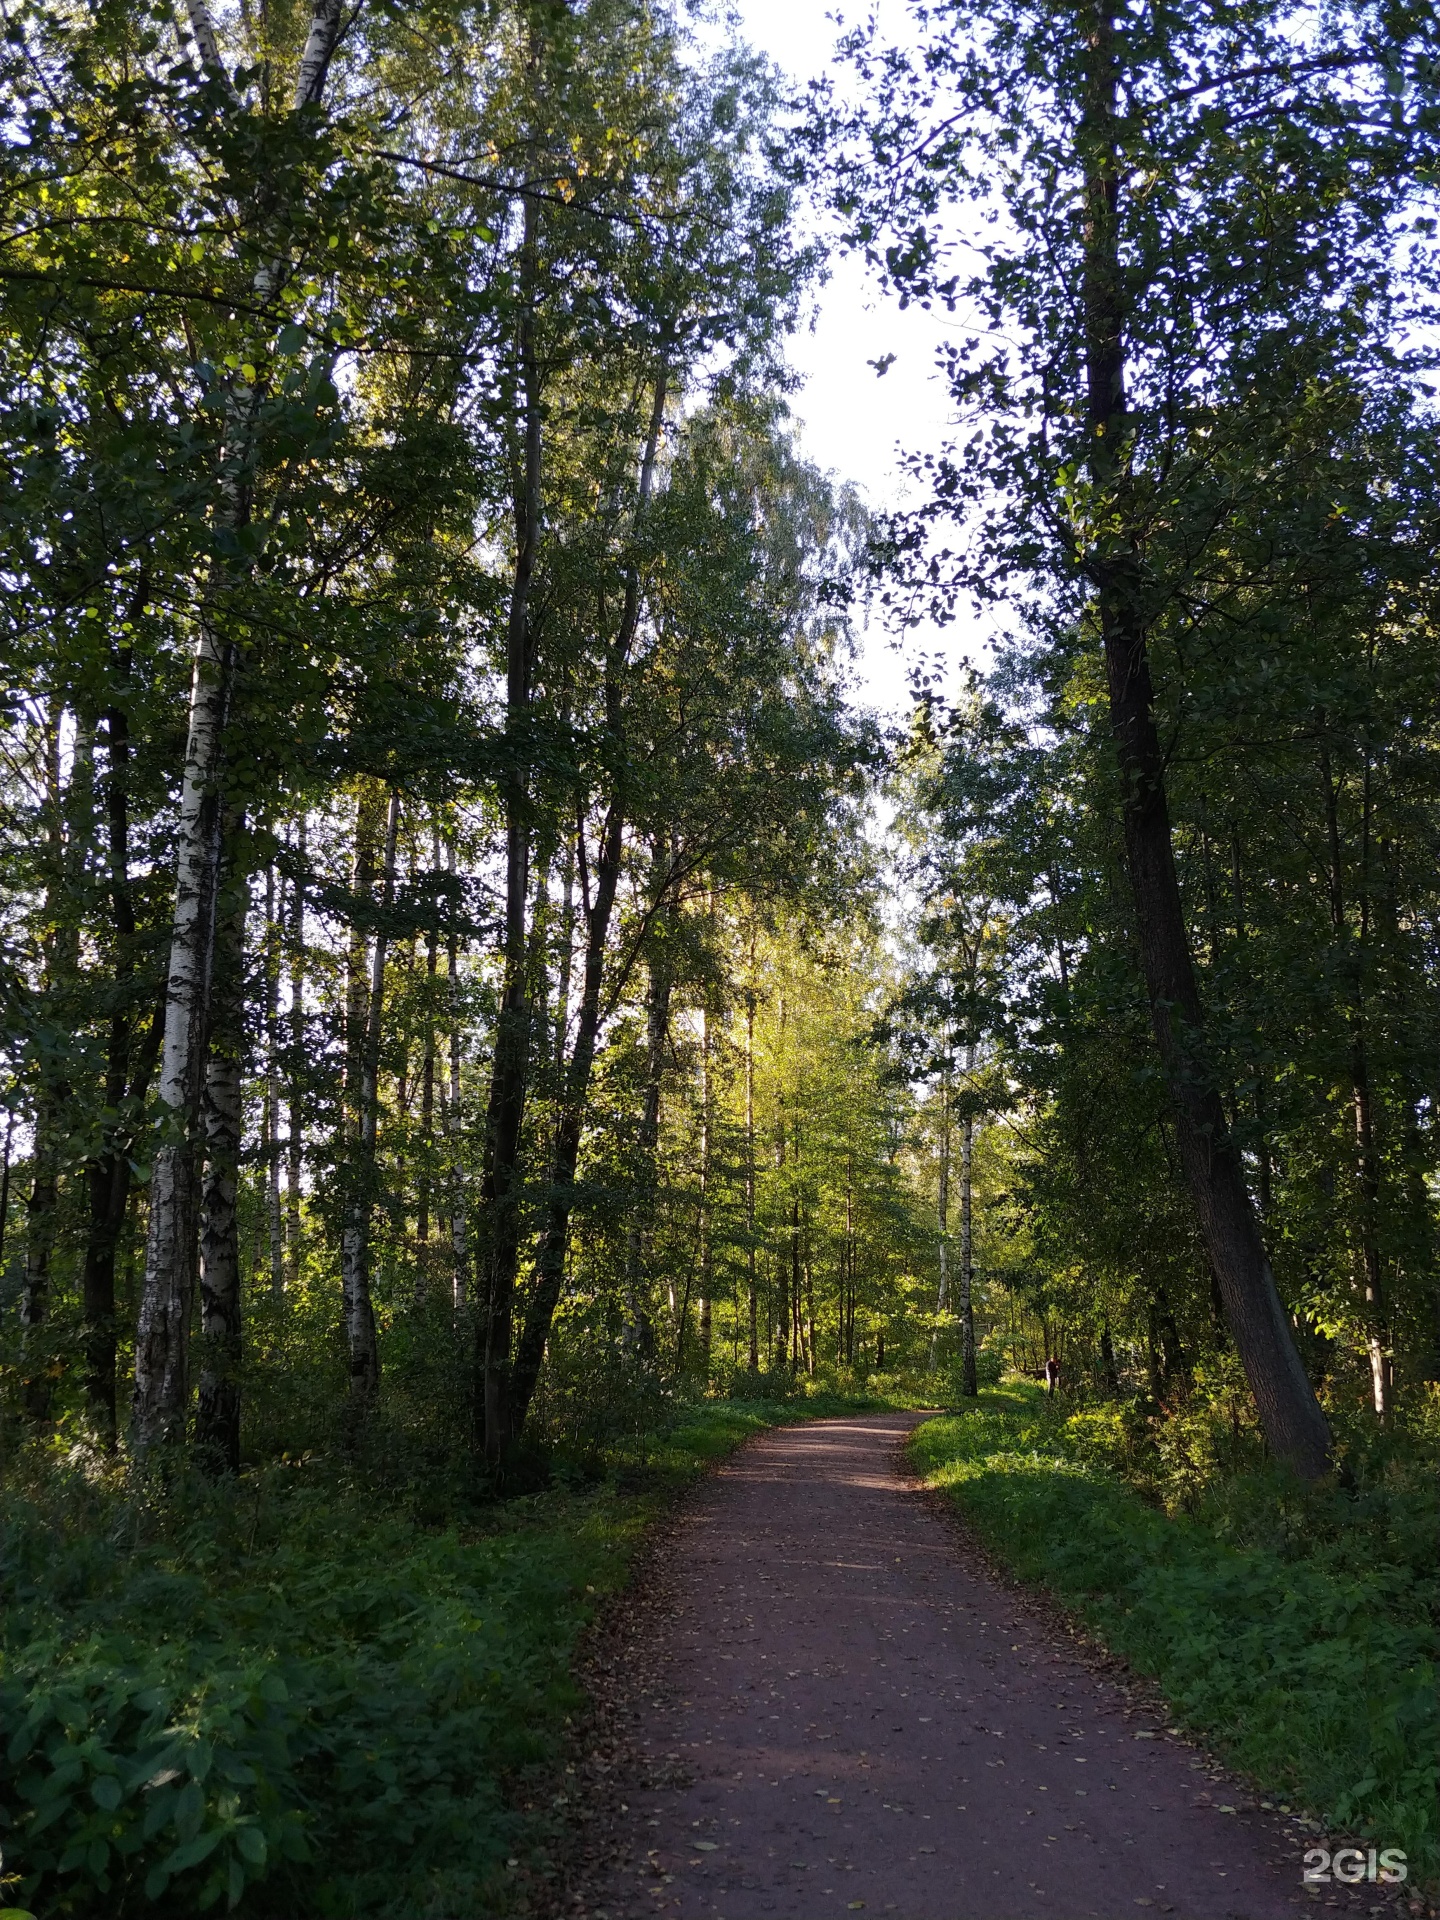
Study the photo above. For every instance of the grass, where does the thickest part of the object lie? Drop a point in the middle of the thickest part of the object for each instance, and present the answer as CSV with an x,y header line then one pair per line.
x,y
304,1694
1293,1627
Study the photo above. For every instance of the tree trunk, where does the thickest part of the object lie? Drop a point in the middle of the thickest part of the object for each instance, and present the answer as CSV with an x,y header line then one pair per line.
x,y
217,1410
1367,1160
657,1026
427,1113
295,1125
37,1383
500,1190
5,1183
1289,1412
942,1213
969,1385
359,1311
67,832
270,1121
707,1252
162,1334
127,1081
750,1163
459,1219
550,1259
513,1405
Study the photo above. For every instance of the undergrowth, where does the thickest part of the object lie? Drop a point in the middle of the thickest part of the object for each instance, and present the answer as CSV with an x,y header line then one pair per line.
x,y
318,1691
1293,1626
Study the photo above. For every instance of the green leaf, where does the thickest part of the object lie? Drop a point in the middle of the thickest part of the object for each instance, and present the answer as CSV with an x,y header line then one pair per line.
x,y
194,1851
106,1793
250,1844
189,1810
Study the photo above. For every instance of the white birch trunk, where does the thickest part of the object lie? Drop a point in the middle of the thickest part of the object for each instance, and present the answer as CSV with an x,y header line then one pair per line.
x,y
162,1334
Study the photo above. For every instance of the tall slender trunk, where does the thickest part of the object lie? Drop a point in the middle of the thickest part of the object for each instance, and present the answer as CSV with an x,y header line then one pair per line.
x,y
501,1182
67,808
162,1333
5,1182
810,1361
969,1385
427,1108
942,1213
1291,1416
657,1026
270,1120
550,1257
798,1357
753,1293
128,1071
359,1311
217,1409
459,1210
707,1250
295,1125
37,1384
848,1264
1353,950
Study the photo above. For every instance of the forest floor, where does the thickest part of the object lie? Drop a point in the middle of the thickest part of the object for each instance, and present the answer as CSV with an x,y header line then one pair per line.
x,y
820,1698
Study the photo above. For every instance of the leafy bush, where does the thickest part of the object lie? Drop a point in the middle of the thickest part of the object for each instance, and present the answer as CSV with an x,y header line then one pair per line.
x,y
1293,1626
283,1684
299,1695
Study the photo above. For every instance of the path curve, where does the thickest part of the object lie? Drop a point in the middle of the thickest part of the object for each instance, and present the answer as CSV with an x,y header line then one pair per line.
x,y
845,1715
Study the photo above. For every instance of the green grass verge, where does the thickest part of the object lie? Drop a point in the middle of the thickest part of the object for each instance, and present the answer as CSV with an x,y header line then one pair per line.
x,y
1293,1628
299,1695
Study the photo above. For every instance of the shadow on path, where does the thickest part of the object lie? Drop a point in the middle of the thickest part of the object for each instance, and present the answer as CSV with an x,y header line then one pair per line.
x,y
859,1720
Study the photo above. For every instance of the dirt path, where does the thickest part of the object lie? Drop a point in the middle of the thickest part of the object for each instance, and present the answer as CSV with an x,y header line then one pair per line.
x,y
855,1719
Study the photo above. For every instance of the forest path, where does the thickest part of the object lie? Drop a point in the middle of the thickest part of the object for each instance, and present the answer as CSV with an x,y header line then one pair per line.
x,y
865,1720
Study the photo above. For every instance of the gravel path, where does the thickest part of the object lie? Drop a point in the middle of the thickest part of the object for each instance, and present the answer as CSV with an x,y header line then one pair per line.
x,y
843,1715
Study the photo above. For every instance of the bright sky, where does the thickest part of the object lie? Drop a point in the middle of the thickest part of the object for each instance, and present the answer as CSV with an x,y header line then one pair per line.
x,y
854,423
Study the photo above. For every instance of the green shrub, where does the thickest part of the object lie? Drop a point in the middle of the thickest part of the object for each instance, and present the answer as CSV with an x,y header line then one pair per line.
x,y
301,1694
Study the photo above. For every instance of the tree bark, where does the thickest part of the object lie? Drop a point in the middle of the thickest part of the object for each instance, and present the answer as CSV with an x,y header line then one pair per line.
x,y
217,1408
270,1117
1294,1424
67,831
753,1291
942,1212
657,1026
513,1405
707,1251
550,1259
500,1188
162,1334
427,1112
295,1124
459,1218
969,1385
128,1072
359,1311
